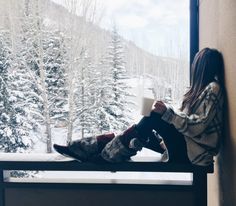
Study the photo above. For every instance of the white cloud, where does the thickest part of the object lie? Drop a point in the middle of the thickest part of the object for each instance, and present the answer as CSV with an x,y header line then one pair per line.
x,y
149,23
131,21
141,13
119,4
162,16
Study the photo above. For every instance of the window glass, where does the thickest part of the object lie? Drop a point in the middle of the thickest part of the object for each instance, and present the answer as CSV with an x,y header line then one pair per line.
x,y
71,69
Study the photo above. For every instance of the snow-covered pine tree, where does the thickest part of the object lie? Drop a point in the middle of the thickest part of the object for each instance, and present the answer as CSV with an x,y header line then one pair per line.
x,y
40,73
43,56
104,120
55,61
26,72
25,98
13,136
37,71
85,97
78,44
119,106
90,118
24,82
24,86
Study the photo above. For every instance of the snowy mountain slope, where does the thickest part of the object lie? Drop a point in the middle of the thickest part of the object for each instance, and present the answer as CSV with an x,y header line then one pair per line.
x,y
137,59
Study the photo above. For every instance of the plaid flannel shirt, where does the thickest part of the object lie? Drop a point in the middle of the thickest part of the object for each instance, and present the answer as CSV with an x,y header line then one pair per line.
x,y
203,128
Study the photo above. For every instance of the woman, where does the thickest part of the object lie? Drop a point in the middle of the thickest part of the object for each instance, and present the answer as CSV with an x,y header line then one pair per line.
x,y
191,134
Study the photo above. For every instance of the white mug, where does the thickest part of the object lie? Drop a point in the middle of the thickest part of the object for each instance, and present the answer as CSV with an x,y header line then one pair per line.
x,y
147,104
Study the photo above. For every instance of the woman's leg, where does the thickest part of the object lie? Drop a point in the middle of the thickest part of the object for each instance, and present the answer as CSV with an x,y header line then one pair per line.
x,y
173,139
88,148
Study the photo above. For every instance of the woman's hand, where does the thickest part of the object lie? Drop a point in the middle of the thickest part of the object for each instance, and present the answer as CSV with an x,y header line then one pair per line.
x,y
160,107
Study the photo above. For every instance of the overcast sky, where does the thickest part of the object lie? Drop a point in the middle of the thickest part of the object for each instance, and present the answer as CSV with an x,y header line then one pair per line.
x,y
155,25
158,26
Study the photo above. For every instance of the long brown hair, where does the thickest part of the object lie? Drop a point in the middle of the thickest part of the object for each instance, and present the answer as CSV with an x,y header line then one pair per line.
x,y
207,66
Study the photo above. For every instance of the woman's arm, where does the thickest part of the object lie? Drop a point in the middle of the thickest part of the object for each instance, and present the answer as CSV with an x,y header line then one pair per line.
x,y
194,124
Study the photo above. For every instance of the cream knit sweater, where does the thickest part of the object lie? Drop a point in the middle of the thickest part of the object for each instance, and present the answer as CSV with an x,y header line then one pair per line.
x,y
203,128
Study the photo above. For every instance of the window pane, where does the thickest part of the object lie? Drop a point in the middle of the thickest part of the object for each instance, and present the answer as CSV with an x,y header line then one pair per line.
x,y
71,69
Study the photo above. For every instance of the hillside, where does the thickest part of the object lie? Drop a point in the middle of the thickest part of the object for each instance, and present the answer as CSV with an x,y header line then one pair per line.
x,y
171,72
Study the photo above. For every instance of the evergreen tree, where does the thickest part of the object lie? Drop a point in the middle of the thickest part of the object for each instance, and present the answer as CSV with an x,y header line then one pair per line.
x,y
119,104
37,67
85,97
13,136
43,57
27,75
23,89
104,95
55,62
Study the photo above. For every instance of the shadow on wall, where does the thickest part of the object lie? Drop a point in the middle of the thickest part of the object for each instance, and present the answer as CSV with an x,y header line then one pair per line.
x,y
226,163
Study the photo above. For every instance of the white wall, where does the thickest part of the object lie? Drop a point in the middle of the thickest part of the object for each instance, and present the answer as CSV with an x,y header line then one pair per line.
x,y
218,30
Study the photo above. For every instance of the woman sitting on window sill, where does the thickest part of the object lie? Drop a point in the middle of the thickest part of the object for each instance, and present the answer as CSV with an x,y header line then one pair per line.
x,y
191,134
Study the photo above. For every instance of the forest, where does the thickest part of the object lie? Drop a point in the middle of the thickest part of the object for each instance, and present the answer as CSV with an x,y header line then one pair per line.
x,y
59,71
